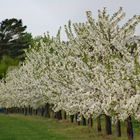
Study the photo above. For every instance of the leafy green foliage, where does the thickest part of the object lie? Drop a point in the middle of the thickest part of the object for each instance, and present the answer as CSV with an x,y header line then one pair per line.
x,y
13,38
5,62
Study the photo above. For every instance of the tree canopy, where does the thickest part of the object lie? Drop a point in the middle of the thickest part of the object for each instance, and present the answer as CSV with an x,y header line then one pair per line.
x,y
13,38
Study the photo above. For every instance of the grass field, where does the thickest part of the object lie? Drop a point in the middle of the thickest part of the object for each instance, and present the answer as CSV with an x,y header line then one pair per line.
x,y
18,127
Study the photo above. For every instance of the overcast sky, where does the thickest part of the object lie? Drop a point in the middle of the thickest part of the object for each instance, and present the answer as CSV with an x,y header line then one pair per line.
x,y
47,15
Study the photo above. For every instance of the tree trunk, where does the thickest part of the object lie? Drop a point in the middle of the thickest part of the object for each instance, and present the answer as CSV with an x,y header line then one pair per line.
x,y
65,115
83,120
130,133
52,114
42,111
72,118
118,128
59,115
28,110
99,128
31,111
25,111
108,125
76,117
22,110
90,122
47,110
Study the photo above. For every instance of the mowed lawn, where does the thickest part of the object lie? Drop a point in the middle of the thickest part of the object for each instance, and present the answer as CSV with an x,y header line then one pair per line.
x,y
19,127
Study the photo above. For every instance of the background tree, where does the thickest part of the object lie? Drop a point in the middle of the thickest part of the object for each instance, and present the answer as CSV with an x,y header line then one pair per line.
x,y
13,40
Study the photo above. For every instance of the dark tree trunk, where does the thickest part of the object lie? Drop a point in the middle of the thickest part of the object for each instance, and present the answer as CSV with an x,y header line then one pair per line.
x,y
83,120
28,110
78,122
99,127
59,115
118,128
31,111
90,122
18,110
25,111
22,110
39,111
42,111
47,110
108,125
76,117
130,133
72,118
65,115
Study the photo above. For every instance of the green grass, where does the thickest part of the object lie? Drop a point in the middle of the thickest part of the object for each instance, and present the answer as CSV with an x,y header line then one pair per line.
x,y
19,127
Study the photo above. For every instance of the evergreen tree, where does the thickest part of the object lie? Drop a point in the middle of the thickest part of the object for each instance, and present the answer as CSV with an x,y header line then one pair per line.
x,y
13,38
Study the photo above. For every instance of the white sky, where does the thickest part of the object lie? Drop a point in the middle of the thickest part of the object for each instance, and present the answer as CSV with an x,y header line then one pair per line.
x,y
48,15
